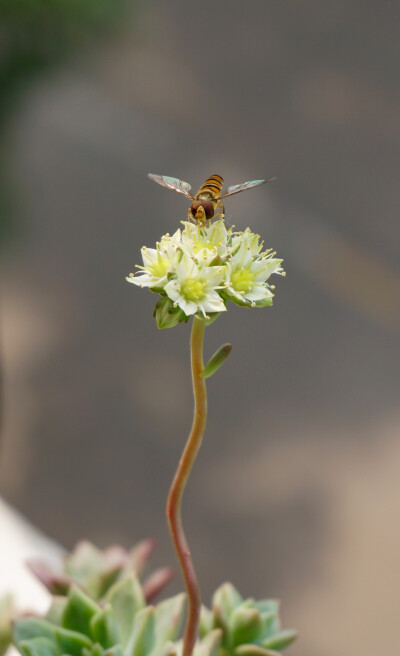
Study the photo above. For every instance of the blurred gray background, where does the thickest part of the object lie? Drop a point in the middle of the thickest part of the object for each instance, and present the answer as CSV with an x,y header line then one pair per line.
x,y
296,492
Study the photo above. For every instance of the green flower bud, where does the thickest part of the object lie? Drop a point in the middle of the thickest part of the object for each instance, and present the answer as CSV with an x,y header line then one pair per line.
x,y
167,315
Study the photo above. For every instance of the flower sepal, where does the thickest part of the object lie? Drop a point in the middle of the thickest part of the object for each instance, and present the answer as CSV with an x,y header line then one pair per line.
x,y
211,317
156,290
264,302
167,314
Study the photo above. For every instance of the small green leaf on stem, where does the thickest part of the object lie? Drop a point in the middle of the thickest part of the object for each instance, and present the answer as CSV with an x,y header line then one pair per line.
x,y
216,361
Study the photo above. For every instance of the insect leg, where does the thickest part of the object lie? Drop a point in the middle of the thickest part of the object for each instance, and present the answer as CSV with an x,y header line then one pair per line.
x,y
220,211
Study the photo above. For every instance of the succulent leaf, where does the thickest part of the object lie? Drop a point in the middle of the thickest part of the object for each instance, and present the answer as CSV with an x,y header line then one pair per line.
x,y
156,582
206,621
168,616
169,650
254,650
96,650
104,628
115,651
84,562
266,605
246,625
37,647
28,631
71,642
216,361
96,571
141,640
221,621
28,628
281,639
79,611
139,555
57,584
210,644
126,598
56,610
227,598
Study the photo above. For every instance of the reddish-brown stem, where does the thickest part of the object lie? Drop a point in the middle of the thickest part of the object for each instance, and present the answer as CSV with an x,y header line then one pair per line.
x,y
174,502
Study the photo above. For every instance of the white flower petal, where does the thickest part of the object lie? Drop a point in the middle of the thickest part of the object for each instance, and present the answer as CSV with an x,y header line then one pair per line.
x,y
263,269
186,268
258,293
214,275
242,258
213,303
149,255
146,280
173,290
232,292
187,306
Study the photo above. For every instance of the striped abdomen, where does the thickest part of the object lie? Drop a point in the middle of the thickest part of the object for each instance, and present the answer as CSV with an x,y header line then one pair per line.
x,y
211,189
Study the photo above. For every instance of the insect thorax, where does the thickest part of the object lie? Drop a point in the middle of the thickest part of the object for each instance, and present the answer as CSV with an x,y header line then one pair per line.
x,y
206,195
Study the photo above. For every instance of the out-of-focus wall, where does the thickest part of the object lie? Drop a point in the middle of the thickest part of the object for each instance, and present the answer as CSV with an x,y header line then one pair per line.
x,y
296,490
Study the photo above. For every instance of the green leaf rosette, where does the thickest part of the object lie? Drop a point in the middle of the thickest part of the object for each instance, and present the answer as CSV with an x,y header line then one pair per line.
x,y
248,627
122,625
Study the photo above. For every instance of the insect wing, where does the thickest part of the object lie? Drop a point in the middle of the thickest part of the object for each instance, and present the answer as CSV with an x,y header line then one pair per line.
x,y
236,189
172,183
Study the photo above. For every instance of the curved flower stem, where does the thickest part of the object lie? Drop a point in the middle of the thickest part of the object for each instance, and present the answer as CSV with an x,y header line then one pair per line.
x,y
178,485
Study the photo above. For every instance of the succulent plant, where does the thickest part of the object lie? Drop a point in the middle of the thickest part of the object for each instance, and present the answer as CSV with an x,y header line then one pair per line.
x,y
249,628
95,571
121,626
6,614
103,610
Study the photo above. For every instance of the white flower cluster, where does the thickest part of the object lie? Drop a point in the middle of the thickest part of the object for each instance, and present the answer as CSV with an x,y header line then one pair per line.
x,y
198,269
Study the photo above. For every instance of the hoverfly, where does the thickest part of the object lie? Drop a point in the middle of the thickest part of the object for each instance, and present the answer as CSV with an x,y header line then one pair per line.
x,y
208,199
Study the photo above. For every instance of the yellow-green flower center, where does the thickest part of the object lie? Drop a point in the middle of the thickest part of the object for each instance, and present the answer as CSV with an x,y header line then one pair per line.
x,y
193,289
242,280
160,267
202,243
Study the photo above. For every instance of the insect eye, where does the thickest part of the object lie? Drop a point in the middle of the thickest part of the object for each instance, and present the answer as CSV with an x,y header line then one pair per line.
x,y
208,209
